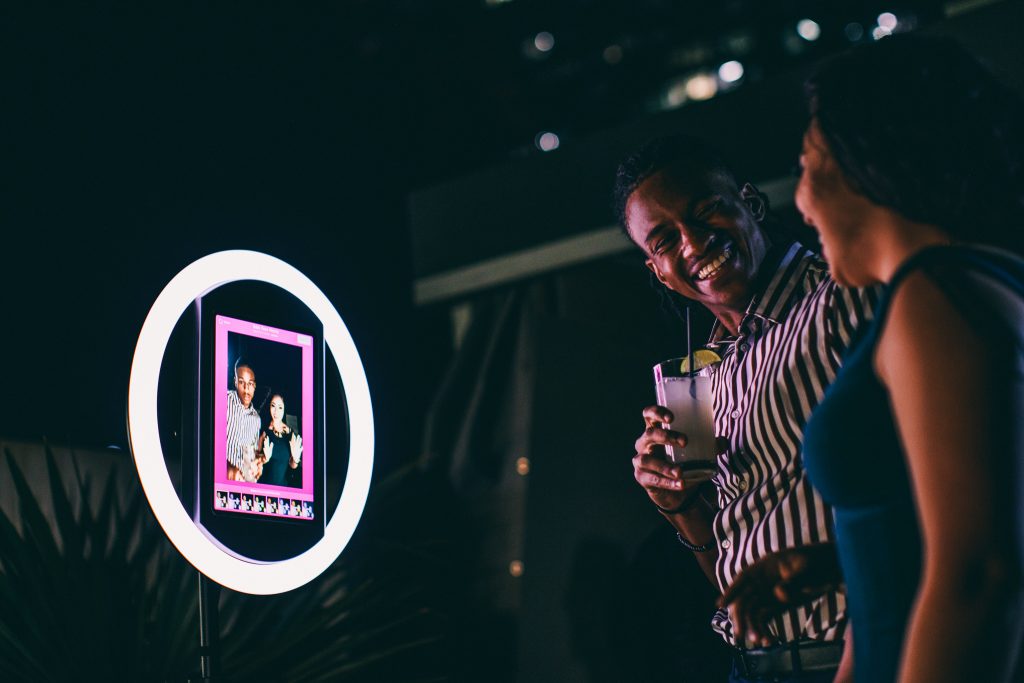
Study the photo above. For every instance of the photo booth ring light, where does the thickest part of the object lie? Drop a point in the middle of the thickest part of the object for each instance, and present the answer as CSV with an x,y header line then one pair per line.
x,y
195,280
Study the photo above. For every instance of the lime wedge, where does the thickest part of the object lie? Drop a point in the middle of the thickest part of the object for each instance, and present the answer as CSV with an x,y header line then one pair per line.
x,y
701,359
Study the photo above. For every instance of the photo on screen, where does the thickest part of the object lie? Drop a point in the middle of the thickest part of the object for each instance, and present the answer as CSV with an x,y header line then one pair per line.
x,y
263,413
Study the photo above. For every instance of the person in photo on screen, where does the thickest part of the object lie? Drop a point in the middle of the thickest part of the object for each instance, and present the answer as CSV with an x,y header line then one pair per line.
x,y
280,450
243,426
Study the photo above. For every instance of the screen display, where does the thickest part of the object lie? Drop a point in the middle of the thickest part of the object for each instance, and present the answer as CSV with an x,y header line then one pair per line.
x,y
263,420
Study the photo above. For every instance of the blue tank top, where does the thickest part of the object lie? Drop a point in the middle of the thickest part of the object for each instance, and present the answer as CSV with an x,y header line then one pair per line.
x,y
853,455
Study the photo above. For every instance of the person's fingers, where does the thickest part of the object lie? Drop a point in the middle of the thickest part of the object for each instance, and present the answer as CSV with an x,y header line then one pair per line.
x,y
792,564
657,436
650,480
653,462
655,414
737,626
748,582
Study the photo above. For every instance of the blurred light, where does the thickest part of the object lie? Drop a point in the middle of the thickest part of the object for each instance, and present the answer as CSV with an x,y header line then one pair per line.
x,y
730,72
675,96
808,29
546,141
854,32
887,20
495,3
515,568
880,32
701,87
544,41
612,54
523,466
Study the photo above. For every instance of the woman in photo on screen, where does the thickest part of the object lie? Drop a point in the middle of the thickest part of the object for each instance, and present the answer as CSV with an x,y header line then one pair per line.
x,y
280,449
913,175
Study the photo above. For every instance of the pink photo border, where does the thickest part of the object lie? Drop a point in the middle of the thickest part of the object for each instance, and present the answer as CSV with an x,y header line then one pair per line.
x,y
223,325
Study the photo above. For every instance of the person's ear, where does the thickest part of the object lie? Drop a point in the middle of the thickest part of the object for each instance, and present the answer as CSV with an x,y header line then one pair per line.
x,y
654,269
755,200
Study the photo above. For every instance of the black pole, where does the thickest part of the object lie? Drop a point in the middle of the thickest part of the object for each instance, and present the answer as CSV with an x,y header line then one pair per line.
x,y
209,629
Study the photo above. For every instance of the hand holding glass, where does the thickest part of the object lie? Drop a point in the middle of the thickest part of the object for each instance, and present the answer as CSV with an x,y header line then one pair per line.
x,y
688,395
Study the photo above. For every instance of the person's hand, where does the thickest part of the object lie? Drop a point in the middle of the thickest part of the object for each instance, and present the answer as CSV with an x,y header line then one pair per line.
x,y
234,474
295,445
268,449
661,479
777,582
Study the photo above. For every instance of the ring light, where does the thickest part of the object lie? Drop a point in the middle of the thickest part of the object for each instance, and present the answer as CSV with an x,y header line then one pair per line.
x,y
195,280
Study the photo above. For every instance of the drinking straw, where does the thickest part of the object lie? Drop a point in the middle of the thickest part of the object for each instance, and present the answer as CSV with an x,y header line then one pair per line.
x,y
689,355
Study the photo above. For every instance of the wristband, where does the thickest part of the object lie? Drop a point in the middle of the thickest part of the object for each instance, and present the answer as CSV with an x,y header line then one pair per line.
x,y
695,548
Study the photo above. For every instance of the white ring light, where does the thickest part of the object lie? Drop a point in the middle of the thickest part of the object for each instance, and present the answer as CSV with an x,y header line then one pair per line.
x,y
247,577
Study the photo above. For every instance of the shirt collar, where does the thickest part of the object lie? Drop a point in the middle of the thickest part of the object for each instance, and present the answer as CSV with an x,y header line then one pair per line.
x,y
775,290
233,397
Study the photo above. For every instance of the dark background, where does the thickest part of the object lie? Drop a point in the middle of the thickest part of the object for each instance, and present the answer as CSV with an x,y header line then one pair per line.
x,y
140,136
372,143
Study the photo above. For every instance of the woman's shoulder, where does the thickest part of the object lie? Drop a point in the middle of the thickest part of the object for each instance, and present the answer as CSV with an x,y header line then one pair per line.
x,y
951,311
983,287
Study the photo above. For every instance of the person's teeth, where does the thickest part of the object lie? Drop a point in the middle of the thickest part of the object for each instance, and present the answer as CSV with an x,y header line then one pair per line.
x,y
711,268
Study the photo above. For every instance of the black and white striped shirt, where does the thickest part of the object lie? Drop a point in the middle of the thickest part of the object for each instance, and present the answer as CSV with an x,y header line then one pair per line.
x,y
243,428
773,374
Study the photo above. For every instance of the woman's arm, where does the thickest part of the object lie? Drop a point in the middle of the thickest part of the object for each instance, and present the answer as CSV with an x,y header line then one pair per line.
x,y
940,378
845,672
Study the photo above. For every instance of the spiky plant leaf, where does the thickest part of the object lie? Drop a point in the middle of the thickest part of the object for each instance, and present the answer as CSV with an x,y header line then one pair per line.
x,y
97,592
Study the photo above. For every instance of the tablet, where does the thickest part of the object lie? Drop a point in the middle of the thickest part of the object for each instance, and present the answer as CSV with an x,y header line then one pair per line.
x,y
265,418
259,474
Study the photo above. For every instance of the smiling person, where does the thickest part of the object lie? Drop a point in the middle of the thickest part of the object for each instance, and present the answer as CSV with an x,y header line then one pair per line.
x,y
782,327
918,183
243,426
280,449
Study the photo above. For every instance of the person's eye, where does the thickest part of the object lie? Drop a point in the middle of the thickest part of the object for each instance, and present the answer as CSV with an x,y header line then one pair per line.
x,y
709,209
664,243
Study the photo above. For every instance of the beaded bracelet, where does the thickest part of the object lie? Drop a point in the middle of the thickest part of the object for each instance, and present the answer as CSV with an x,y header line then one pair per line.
x,y
695,548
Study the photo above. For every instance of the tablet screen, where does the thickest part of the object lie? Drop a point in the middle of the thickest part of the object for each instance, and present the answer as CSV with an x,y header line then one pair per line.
x,y
263,420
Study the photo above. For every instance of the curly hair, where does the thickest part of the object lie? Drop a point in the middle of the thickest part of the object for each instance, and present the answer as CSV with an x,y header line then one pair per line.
x,y
656,155
918,125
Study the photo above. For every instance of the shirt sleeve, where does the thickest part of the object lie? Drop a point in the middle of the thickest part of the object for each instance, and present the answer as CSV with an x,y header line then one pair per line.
x,y
234,433
849,309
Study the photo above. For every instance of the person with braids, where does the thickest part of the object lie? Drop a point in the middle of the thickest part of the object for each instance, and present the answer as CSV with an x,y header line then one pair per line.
x,y
913,174
782,328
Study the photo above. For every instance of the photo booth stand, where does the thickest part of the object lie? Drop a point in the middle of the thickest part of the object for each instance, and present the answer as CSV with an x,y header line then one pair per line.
x,y
216,566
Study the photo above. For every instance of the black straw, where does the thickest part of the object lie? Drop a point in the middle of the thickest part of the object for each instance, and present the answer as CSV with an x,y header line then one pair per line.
x,y
689,355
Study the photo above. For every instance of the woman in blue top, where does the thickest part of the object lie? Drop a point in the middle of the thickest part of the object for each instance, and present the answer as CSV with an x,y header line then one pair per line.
x,y
912,175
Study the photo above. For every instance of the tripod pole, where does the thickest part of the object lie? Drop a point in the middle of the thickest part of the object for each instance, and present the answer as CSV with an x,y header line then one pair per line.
x,y
209,629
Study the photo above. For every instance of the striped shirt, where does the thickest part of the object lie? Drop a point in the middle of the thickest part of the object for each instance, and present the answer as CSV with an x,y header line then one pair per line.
x,y
243,428
773,374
